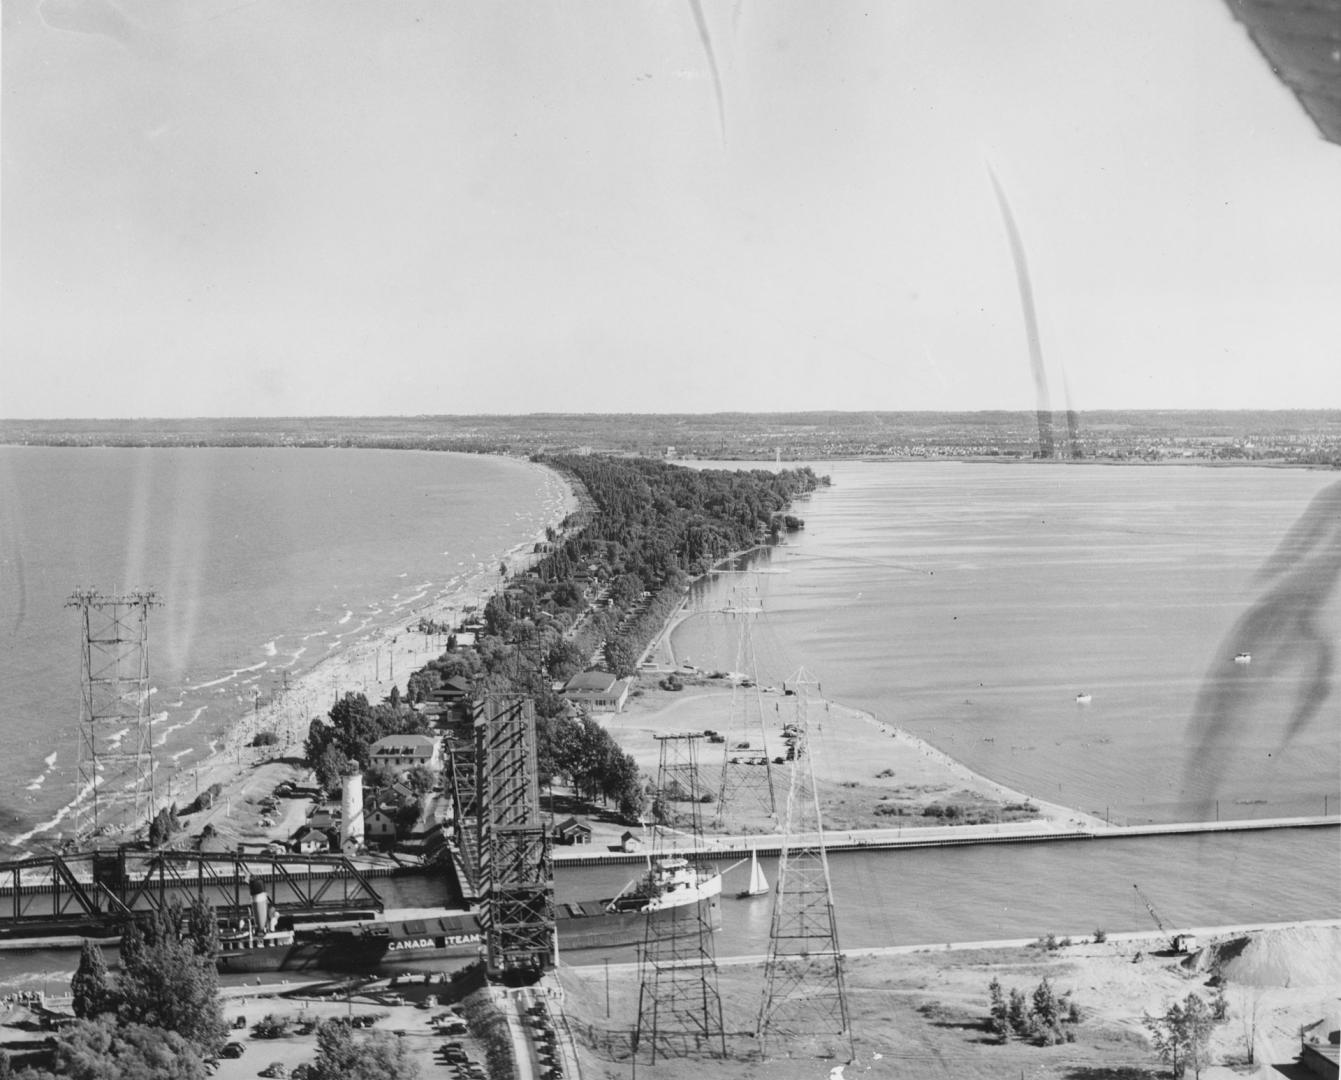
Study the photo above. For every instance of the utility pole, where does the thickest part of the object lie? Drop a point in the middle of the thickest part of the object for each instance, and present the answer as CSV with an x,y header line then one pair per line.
x,y
679,1006
114,694
804,989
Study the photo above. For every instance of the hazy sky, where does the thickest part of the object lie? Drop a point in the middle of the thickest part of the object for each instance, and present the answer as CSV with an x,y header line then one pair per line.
x,y
285,207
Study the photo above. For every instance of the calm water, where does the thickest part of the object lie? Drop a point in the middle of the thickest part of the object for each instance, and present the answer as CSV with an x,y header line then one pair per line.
x,y
972,603
266,561
989,893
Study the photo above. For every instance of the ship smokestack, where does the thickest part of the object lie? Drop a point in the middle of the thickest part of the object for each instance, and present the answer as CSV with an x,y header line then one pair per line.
x,y
260,905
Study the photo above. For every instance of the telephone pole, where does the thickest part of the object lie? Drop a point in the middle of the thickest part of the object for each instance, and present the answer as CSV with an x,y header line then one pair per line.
x,y
804,991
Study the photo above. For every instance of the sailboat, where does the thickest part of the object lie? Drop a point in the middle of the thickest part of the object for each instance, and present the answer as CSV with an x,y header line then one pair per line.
x,y
758,883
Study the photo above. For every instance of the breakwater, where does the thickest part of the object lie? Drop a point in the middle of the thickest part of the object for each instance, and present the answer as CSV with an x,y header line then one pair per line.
x,y
947,836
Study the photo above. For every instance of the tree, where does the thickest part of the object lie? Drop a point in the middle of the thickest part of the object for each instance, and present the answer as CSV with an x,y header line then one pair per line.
x,y
622,656
1018,1013
89,987
163,826
422,779
998,1021
105,1049
164,983
343,1056
1182,1035
202,927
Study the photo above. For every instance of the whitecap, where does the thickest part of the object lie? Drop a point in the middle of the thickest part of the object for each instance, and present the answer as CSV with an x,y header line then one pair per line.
x,y
271,649
348,615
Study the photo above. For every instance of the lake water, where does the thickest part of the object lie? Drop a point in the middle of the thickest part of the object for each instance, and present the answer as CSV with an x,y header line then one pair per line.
x,y
973,603
265,560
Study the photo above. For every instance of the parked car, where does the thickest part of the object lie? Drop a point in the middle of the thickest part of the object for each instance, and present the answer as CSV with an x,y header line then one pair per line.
x,y
275,1068
232,1050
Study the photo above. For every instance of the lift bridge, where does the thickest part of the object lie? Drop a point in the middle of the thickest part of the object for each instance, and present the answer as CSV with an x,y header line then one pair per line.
x,y
95,891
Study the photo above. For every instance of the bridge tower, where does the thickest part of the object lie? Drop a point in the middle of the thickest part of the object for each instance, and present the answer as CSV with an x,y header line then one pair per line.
x,y
514,852
115,738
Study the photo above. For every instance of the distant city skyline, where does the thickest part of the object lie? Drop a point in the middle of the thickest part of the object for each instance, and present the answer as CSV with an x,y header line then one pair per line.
x,y
350,208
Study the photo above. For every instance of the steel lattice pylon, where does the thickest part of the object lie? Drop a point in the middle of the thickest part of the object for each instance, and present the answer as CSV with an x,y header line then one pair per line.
x,y
114,696
679,1006
804,991
515,866
750,776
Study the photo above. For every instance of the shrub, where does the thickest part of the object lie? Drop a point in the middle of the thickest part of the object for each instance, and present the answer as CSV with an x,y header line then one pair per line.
x,y
265,738
1100,935
270,1026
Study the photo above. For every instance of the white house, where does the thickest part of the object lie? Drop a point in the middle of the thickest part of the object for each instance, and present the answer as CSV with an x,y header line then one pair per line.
x,y
598,690
400,752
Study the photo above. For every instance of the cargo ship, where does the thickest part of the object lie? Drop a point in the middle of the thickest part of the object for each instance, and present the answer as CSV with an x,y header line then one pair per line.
x,y
665,891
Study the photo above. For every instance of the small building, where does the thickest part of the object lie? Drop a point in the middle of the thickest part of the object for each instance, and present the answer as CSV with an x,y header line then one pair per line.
x,y
572,831
379,827
630,841
400,752
452,690
598,690
323,817
311,841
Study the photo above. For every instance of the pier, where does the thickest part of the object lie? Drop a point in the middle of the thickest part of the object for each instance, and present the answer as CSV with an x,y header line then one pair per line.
x,y
1027,832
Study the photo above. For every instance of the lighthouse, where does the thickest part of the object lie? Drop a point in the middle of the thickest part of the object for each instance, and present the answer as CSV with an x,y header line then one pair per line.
x,y
351,806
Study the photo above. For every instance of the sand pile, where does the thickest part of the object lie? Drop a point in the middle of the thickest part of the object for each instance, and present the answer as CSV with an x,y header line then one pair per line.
x,y
1296,957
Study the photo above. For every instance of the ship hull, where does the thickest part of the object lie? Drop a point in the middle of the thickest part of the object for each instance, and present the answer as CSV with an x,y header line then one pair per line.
x,y
584,926
611,929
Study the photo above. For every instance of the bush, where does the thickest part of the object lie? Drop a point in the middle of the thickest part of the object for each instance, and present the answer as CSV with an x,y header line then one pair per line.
x,y
205,799
265,738
1100,935
270,1026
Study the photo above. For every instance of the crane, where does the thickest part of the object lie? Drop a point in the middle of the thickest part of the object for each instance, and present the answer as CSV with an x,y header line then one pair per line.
x,y
1179,943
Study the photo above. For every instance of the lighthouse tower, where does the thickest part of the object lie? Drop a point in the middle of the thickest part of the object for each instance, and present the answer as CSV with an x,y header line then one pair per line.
x,y
351,807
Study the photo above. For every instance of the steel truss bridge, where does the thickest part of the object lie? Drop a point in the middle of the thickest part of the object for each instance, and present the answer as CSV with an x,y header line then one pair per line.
x,y
99,889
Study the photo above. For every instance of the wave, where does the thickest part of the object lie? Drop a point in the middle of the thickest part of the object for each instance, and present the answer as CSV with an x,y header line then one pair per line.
x,y
271,649
60,815
316,633
182,753
231,675
348,615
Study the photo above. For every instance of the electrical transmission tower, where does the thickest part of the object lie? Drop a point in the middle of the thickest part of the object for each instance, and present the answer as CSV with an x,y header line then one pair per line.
x,y
747,773
113,710
679,1007
804,993
514,854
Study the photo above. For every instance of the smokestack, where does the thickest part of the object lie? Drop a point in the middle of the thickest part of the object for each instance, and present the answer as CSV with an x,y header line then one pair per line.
x,y
260,904
351,807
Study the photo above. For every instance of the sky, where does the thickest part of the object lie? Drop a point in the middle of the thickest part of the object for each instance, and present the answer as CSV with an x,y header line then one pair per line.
x,y
363,207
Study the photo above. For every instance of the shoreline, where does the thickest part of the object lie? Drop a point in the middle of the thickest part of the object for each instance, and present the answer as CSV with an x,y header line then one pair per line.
x,y
660,657
382,657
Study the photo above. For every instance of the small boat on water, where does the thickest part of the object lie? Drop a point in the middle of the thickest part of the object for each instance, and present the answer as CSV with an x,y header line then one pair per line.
x,y
1243,658
1084,698
758,883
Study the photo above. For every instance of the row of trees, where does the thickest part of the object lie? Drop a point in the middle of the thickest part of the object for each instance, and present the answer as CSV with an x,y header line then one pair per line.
x,y
645,527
